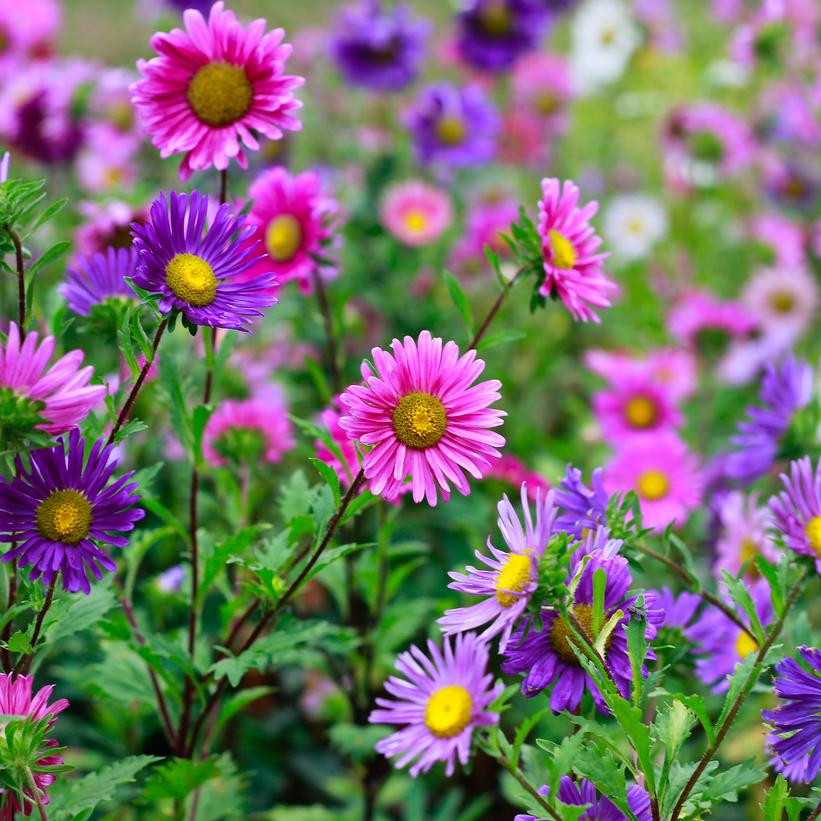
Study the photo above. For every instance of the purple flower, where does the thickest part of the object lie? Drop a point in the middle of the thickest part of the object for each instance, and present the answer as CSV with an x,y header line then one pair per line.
x,y
63,509
197,272
678,610
454,126
796,723
583,793
98,278
494,33
585,508
797,509
379,48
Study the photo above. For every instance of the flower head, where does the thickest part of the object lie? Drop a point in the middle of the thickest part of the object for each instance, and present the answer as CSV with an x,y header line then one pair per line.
x,y
214,87
541,83
422,417
585,508
797,509
698,313
744,534
633,223
678,610
782,301
573,268
442,698
198,272
416,213
61,511
98,278
584,794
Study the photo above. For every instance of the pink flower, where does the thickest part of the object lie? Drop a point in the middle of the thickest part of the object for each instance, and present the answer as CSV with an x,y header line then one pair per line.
x,y
522,140
213,88
486,222
782,236
63,388
106,161
664,475
514,472
697,311
782,301
415,213
672,368
294,219
107,225
573,269
423,417
28,29
542,83
744,526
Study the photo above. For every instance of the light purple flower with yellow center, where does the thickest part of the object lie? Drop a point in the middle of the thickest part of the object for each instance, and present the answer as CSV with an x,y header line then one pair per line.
x,y
513,576
440,701
797,509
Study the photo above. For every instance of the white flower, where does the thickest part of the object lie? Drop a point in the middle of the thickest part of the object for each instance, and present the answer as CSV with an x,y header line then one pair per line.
x,y
783,300
633,223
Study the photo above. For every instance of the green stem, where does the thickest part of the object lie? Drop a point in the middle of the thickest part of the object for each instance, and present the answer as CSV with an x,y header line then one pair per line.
x,y
495,308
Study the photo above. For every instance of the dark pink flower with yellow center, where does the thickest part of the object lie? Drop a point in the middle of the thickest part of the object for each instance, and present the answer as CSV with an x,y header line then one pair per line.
x,y
572,265
422,417
215,87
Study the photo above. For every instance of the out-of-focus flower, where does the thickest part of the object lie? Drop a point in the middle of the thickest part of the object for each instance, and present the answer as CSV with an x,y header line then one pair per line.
x,y
678,610
423,417
660,19
584,794
512,470
672,368
633,224
416,213
782,237
541,83
442,698
170,581
213,87
106,161
797,509
110,101
107,225
783,302
27,30
98,278
486,222
698,316
58,513
744,536
522,140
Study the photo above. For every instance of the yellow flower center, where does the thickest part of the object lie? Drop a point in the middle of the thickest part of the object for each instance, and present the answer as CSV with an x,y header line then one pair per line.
x,y
220,94
607,37
191,279
450,129
512,578
283,237
416,221
495,19
635,226
745,644
813,531
748,552
640,412
64,516
561,636
546,102
419,420
448,711
653,485
563,252
782,302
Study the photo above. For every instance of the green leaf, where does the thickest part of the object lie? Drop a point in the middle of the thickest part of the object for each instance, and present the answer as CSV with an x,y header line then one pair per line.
x,y
500,338
177,778
53,253
84,613
459,299
357,741
329,476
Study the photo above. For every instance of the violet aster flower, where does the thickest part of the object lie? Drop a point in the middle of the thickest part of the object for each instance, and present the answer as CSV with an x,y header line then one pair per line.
x,y
582,793
422,417
572,265
214,88
493,33
377,48
678,610
60,511
546,656
4,167
198,272
585,508
98,278
63,389
513,574
797,509
17,701
439,702
454,126
744,536
796,724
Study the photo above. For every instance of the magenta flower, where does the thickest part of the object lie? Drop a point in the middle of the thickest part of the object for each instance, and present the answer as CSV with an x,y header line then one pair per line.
x,y
543,84
439,702
673,368
416,213
63,388
699,312
215,88
423,417
797,509
573,270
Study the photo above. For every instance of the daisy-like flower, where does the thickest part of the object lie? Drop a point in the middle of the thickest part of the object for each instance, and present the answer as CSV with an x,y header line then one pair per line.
x,y
442,698
583,794
106,225
698,316
541,83
215,88
378,48
573,268
196,272
416,213
546,657
454,126
633,224
678,610
797,509
664,475
513,574
744,525
98,278
514,471
294,219
63,389
795,738
585,508
782,301
17,701
252,430
60,511
423,417
674,368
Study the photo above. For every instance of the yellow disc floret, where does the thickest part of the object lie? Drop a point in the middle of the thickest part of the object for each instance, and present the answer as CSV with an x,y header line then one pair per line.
x,y
451,129
745,644
416,221
513,576
220,94
495,19
653,485
283,237
419,420
813,531
191,279
564,254
561,636
641,412
448,711
64,516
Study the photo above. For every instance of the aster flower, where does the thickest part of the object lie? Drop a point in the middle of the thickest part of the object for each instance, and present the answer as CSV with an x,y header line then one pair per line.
x,y
584,794
28,31
678,609
17,701
541,83
378,48
60,511
573,268
664,475
744,536
63,389
514,472
213,88
106,225
795,737
295,220
422,417
797,509
698,314
674,368
106,161
197,273
416,213
633,224
782,301
98,278
513,574
452,126
585,508
546,657
439,702
491,34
